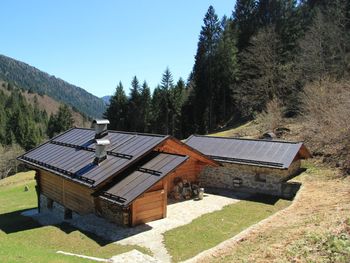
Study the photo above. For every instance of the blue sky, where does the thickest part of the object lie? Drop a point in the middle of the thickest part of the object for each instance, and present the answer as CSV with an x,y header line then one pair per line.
x,y
96,44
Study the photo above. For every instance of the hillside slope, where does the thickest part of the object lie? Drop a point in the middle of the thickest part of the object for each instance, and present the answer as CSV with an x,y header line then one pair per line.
x,y
47,104
34,80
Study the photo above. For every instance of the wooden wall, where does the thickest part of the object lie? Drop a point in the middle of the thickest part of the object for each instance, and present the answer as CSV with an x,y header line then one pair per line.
x,y
149,207
67,193
189,170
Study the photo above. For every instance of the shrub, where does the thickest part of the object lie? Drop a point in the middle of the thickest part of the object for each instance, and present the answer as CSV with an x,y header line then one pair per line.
x,y
272,117
327,123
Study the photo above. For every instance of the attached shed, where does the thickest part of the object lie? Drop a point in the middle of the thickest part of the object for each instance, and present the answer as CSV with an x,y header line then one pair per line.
x,y
250,165
124,177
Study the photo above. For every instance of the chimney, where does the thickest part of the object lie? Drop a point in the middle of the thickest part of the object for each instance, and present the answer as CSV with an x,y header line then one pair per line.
x,y
101,150
100,128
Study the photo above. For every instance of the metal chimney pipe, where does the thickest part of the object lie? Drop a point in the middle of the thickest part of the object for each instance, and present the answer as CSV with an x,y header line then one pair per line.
x,y
101,150
100,128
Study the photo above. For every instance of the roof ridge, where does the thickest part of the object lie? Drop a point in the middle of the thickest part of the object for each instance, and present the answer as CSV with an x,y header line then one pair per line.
x,y
126,132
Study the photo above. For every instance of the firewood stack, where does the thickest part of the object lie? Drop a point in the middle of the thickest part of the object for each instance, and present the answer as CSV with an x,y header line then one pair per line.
x,y
184,190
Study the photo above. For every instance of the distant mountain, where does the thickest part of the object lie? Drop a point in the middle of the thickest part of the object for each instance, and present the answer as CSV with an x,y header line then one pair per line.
x,y
106,99
45,103
34,80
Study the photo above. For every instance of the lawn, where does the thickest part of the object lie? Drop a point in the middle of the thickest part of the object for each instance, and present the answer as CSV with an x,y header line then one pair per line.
x,y
23,240
211,229
315,229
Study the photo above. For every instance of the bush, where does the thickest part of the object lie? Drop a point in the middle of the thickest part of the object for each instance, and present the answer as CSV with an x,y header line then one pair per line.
x,y
272,117
327,123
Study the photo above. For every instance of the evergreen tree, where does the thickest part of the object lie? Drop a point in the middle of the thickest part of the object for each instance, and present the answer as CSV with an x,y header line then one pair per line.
x,y
134,118
157,112
325,46
245,21
167,84
177,95
226,74
145,107
203,71
116,112
61,121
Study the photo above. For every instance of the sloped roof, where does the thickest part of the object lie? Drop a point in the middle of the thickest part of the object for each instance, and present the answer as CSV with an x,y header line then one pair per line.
x,y
266,153
138,181
71,154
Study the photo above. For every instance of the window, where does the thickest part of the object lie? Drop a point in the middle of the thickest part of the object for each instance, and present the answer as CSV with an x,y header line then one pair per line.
x,y
260,178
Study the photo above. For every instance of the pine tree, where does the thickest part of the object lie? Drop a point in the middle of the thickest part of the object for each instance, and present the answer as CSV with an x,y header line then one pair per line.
x,y
325,46
61,121
203,71
116,112
145,107
134,118
245,21
226,74
167,84
157,112
177,95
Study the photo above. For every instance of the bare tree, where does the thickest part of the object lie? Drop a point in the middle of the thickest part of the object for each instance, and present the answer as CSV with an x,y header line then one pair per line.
x,y
8,163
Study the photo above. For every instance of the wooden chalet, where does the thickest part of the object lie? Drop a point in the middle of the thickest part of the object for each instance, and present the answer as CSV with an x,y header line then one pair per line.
x,y
122,176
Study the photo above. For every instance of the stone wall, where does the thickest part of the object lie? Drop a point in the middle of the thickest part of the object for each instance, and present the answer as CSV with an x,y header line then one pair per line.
x,y
107,210
247,178
113,212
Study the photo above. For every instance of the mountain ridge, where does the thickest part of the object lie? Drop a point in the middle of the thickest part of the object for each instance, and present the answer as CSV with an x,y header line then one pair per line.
x,y
35,80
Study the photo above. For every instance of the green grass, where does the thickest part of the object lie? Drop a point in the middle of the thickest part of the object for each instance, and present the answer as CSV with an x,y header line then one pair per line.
x,y
210,229
24,240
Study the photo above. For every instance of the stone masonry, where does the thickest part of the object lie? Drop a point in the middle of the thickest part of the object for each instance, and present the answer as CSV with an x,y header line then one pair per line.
x,y
109,211
248,178
113,213
56,209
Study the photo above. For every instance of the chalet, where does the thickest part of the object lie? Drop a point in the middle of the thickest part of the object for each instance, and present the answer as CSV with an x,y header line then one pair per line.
x,y
249,165
121,176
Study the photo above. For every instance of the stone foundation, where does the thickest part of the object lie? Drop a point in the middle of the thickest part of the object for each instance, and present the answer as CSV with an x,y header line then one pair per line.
x,y
113,213
56,209
249,178
107,210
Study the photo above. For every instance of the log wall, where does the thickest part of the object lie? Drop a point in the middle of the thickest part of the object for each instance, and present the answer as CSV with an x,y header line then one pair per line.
x,y
67,193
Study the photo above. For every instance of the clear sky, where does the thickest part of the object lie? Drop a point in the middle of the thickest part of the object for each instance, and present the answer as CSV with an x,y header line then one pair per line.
x,y
96,44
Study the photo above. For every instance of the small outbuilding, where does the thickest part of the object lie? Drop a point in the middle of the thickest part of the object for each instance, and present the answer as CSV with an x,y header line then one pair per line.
x,y
250,165
121,176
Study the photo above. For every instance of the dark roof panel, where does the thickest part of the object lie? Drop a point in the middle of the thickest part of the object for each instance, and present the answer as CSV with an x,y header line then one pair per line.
x,y
72,154
278,154
138,181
